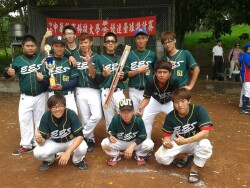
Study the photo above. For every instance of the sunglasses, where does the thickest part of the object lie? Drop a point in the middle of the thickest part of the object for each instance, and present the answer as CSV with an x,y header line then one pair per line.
x,y
110,41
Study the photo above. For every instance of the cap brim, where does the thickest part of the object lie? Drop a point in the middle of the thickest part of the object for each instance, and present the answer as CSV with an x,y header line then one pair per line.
x,y
141,33
126,108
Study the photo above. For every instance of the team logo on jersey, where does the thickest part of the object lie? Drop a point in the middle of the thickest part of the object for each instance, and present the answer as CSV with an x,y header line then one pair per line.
x,y
137,64
112,67
163,95
61,69
83,65
30,69
60,134
188,128
176,64
127,137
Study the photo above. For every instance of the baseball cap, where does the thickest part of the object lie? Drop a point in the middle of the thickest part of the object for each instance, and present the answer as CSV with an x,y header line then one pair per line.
x,y
140,31
126,104
59,39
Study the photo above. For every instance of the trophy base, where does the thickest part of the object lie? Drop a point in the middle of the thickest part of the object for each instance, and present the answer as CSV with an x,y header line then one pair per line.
x,y
52,81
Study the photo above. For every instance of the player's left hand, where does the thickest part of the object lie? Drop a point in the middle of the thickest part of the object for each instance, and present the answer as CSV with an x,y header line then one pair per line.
x,y
121,75
180,140
188,87
56,87
129,152
72,61
39,76
63,158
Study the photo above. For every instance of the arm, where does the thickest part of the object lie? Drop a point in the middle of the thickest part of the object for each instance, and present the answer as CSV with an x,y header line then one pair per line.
x,y
129,150
47,35
213,59
142,69
194,73
199,136
143,104
64,158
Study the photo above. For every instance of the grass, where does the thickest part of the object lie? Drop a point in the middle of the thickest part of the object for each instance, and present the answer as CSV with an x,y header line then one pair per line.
x,y
191,40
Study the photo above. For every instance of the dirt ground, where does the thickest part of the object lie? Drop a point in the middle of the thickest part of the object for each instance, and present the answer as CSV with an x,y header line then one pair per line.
x,y
228,167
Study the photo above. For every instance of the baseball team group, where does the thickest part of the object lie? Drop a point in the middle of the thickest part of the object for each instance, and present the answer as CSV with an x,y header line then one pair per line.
x,y
57,121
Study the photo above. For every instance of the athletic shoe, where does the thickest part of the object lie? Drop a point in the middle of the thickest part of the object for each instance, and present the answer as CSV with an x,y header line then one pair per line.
x,y
113,161
82,165
45,165
90,144
147,156
244,112
22,150
121,152
140,160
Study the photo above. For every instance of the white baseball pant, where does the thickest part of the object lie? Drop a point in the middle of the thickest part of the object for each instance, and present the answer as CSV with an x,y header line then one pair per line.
x,y
48,151
151,110
113,149
136,96
88,101
70,100
114,104
201,150
30,113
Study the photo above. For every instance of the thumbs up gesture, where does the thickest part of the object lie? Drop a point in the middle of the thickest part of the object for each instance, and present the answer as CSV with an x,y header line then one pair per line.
x,y
11,71
48,33
39,76
39,139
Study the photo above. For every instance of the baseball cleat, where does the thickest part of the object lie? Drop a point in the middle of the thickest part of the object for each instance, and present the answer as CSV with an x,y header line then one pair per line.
x,y
244,112
82,165
140,160
45,165
113,161
90,144
22,150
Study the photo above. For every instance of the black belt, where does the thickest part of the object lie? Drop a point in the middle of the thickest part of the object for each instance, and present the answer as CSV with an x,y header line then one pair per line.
x,y
140,88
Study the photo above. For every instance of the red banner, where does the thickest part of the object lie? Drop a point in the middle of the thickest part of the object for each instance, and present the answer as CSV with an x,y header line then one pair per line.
x,y
98,28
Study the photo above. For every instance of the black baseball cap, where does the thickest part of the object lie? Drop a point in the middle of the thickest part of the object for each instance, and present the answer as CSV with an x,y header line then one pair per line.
x,y
126,104
59,39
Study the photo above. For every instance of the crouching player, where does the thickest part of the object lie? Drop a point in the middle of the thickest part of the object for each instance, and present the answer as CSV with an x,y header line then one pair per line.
x,y
189,126
127,132
60,130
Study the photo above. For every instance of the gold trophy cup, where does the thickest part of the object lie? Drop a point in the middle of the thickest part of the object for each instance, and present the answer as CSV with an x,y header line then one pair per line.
x,y
50,65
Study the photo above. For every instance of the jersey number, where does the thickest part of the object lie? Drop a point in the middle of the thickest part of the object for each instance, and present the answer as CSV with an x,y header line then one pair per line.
x,y
179,73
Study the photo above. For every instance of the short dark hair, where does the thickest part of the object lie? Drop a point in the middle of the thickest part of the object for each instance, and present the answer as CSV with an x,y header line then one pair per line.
x,y
84,36
110,34
181,93
237,44
163,64
28,38
166,35
56,99
71,27
219,40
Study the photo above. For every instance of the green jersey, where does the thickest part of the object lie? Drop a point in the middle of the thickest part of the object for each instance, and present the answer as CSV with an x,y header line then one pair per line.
x,y
63,129
108,62
68,51
189,125
135,60
160,93
184,61
85,80
63,73
127,132
25,68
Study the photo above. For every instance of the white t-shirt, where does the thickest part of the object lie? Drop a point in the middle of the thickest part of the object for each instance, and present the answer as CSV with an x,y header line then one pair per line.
x,y
218,50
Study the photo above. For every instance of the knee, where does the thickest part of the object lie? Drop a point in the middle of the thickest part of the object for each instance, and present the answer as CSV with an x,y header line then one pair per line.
x,y
204,149
148,145
105,144
166,160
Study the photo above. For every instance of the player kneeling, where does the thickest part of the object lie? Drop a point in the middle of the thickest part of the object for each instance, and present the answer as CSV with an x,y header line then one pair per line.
x,y
60,130
127,132
191,125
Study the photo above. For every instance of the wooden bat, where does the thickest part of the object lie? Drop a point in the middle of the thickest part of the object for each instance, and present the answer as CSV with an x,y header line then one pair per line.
x,y
116,76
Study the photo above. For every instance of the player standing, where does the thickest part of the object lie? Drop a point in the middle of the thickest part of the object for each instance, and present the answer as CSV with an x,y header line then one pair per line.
x,y
157,94
139,67
87,90
60,130
106,68
182,61
33,92
65,74
189,124
127,132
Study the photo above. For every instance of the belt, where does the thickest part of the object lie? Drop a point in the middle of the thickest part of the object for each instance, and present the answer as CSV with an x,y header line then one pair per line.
x,y
140,88
62,92
116,89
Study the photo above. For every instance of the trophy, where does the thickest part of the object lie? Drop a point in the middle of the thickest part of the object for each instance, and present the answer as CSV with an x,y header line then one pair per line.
x,y
50,65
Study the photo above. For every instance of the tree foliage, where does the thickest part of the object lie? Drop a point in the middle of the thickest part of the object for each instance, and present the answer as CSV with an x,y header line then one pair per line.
x,y
216,15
